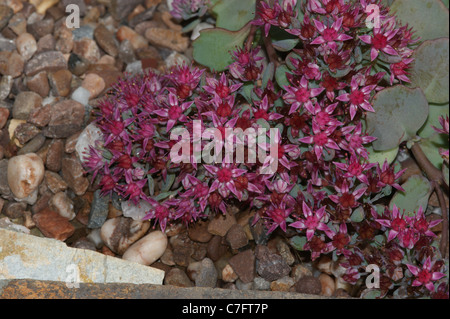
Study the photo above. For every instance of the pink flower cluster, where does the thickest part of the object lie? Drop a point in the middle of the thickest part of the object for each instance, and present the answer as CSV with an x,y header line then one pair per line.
x,y
325,176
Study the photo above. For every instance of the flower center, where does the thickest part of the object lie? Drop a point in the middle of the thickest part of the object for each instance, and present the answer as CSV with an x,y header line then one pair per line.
x,y
398,224
379,41
175,112
347,200
302,95
357,97
424,276
329,34
224,110
311,222
322,118
224,175
261,114
321,139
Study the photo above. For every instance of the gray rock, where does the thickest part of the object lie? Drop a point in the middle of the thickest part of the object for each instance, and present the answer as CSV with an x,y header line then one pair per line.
x,y
85,31
121,8
99,210
270,266
45,61
177,277
5,14
33,146
207,275
25,103
29,257
260,283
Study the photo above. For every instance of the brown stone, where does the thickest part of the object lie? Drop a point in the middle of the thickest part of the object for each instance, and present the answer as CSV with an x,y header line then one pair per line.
x,y
167,38
54,155
67,118
216,248
177,277
40,28
243,265
105,40
137,41
25,132
88,49
121,8
71,143
18,23
73,173
236,237
60,82
220,224
53,225
5,14
26,45
40,116
38,83
64,39
308,285
11,63
49,61
107,72
282,284
4,115
55,182
25,103
94,84
199,232
41,203
46,43
14,210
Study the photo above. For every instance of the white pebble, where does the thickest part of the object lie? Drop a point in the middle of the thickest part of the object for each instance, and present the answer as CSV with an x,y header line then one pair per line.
x,y
25,173
136,212
81,95
148,249
90,135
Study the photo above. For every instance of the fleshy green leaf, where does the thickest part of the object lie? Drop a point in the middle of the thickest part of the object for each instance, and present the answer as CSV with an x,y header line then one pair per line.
x,y
298,242
429,18
234,14
430,69
280,75
285,45
417,191
358,215
370,294
431,146
213,47
380,156
399,113
433,120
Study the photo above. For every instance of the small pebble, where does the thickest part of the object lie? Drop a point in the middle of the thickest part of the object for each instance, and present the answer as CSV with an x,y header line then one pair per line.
x,y
228,274
26,45
207,275
328,285
308,285
94,84
25,173
63,205
120,233
147,249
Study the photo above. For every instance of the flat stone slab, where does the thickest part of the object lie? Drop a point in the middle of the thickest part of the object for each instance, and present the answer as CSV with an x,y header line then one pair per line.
x,y
24,256
32,289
